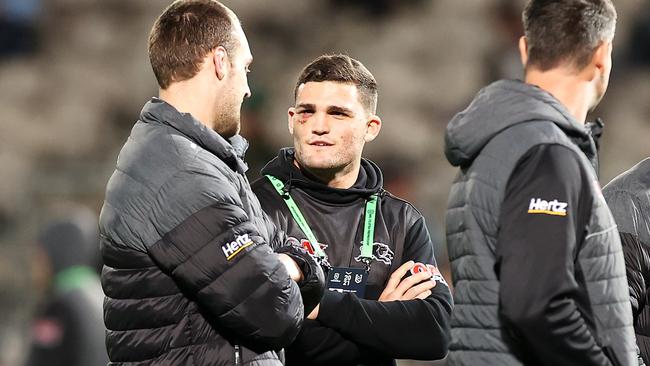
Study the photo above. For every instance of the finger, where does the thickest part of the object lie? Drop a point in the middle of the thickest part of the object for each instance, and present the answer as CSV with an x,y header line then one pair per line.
x,y
411,281
396,276
414,291
424,295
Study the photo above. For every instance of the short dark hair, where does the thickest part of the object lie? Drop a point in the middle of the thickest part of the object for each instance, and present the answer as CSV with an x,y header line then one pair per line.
x,y
566,31
343,69
183,35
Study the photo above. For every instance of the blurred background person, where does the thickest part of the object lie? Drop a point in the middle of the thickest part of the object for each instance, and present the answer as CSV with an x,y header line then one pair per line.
x,y
19,27
68,329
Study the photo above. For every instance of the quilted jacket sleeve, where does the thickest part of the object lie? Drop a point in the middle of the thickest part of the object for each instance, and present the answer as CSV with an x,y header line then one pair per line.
x,y
631,222
219,258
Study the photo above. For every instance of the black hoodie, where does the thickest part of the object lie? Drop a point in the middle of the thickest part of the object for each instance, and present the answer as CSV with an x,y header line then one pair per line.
x,y
350,330
536,262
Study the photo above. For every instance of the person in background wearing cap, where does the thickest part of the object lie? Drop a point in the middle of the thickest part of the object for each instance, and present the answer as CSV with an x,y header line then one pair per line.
x,y
386,298
69,328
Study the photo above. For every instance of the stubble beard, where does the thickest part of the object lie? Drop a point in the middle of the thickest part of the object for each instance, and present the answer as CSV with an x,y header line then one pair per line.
x,y
228,121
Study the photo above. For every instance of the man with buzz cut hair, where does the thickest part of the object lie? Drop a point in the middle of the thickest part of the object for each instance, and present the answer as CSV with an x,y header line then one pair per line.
x,y
386,298
192,275
539,276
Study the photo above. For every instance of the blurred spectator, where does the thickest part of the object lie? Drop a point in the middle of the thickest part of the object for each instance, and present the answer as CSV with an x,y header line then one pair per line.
x,y
19,27
503,61
639,45
252,120
375,7
69,328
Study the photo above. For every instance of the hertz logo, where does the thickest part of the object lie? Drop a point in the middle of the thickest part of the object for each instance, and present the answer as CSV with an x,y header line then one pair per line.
x,y
540,206
231,249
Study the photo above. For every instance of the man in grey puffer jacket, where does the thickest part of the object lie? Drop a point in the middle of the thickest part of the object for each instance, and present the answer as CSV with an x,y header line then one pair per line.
x,y
191,276
536,261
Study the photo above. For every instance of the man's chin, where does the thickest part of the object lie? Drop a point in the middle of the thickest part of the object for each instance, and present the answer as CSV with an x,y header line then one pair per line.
x,y
228,131
319,165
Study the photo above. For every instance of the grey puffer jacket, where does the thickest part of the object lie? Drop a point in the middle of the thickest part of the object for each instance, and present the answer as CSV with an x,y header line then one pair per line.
x,y
628,196
190,276
505,120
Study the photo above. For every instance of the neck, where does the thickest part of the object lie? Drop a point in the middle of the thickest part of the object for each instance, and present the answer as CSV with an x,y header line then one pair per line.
x,y
191,96
566,86
333,178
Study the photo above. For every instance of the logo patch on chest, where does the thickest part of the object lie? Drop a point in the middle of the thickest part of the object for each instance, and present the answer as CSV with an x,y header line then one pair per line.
x,y
380,252
540,206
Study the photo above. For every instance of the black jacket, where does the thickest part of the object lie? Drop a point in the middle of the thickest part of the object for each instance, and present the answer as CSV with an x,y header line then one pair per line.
x,y
350,330
537,264
628,196
190,276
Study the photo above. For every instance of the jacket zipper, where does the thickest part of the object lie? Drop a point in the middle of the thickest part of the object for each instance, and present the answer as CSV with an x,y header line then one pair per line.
x,y
237,355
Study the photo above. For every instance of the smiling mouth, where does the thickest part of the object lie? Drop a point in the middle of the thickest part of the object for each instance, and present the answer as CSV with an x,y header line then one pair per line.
x,y
320,144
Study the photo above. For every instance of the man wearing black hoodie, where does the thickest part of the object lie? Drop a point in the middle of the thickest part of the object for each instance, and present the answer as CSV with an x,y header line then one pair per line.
x,y
329,199
536,259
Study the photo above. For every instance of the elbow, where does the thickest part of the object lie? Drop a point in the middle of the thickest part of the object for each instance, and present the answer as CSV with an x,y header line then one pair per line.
x,y
428,351
441,346
286,335
277,333
439,351
438,346
287,324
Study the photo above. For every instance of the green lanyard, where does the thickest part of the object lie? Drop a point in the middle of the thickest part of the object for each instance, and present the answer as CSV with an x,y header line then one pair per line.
x,y
368,225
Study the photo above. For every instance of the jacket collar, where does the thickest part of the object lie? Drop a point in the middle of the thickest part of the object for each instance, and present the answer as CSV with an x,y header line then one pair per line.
x,y
231,151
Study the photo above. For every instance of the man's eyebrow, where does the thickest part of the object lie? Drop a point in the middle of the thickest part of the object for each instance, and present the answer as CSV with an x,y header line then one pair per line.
x,y
339,109
306,106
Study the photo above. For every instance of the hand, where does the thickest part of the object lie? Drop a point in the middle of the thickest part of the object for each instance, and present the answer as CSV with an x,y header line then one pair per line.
x,y
417,286
314,313
312,279
292,267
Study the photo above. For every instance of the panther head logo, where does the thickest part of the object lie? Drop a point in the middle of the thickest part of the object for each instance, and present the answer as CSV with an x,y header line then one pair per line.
x,y
380,252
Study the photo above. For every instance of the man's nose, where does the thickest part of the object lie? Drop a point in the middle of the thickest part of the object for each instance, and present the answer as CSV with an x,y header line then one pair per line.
x,y
320,125
247,91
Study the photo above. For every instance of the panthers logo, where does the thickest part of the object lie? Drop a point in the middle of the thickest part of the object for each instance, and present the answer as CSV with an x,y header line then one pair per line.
x,y
380,252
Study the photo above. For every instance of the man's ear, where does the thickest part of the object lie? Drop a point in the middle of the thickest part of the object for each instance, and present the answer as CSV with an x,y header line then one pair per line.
x,y
373,128
221,62
290,113
601,59
523,50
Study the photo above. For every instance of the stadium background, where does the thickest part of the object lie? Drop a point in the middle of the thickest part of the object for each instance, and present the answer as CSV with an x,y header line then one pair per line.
x,y
74,75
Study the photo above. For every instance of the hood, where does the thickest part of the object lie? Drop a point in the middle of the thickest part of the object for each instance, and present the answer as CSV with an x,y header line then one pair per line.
x,y
231,151
369,182
504,104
